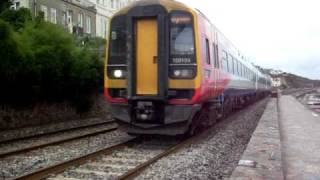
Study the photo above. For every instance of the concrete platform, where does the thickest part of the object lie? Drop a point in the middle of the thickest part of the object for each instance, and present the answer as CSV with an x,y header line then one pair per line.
x,y
262,158
300,131
294,154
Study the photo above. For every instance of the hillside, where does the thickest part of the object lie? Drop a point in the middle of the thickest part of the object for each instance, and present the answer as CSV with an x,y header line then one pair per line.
x,y
289,80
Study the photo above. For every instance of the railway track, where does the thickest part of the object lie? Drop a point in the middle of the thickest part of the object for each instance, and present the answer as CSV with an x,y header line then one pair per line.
x,y
54,132
92,130
121,161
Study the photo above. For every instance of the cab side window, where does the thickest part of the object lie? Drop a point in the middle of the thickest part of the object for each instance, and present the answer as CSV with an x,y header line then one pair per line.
x,y
207,52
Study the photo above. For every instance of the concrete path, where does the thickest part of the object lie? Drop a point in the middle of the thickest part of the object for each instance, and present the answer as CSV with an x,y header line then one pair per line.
x,y
262,157
300,140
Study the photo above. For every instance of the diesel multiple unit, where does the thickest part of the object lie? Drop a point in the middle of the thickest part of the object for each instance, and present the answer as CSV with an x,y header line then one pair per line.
x,y
166,62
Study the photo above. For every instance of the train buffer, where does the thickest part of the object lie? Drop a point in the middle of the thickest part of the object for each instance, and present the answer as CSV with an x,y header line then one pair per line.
x,y
285,144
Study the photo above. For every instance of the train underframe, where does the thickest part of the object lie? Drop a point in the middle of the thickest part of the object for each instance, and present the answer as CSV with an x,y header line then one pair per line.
x,y
154,117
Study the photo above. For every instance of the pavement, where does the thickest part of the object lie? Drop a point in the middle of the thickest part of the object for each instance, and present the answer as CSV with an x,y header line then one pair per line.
x,y
285,144
262,157
300,139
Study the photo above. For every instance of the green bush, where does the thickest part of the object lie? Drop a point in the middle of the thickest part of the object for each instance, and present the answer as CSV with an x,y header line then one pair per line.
x,y
5,4
41,61
11,57
17,18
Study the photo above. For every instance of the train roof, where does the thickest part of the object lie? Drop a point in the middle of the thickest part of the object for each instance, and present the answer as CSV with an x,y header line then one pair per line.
x,y
167,4
175,5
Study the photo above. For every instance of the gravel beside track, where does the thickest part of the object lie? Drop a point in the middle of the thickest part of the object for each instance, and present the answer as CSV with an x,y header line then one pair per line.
x,y
47,128
120,160
213,157
216,156
14,166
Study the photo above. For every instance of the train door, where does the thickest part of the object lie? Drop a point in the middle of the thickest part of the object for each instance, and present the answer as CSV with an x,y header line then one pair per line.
x,y
217,64
146,56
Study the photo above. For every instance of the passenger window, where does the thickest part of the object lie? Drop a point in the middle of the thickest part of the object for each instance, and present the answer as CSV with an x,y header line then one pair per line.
x,y
246,71
243,71
214,55
230,66
225,61
239,69
207,51
234,66
217,56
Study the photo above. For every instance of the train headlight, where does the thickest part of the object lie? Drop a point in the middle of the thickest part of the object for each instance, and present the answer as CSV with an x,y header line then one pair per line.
x,y
117,72
183,72
177,72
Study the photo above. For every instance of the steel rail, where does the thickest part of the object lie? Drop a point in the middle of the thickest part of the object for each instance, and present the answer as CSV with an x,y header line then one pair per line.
x,y
30,148
55,132
60,167
131,174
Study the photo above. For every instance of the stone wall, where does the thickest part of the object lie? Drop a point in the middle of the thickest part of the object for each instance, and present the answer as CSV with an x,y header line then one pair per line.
x,y
44,113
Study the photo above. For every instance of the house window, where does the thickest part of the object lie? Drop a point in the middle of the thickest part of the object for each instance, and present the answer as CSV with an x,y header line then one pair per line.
x,y
53,15
112,4
80,20
107,27
44,9
17,5
89,23
69,24
64,18
103,27
69,17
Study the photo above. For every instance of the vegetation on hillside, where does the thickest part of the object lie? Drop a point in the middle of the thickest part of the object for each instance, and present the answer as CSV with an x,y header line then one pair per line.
x,y
289,80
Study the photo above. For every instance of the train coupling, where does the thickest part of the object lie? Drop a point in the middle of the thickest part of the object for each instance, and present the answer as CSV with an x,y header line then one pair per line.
x,y
145,111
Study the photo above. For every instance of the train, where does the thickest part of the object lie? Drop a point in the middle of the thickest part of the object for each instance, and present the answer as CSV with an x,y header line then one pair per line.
x,y
167,65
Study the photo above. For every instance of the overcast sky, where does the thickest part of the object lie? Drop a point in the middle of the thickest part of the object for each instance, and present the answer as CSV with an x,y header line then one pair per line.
x,y
279,34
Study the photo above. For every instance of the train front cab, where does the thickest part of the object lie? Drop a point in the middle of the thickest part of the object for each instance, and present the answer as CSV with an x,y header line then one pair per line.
x,y
152,74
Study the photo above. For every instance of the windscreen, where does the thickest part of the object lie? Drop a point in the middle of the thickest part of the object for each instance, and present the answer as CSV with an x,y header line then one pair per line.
x,y
118,40
182,49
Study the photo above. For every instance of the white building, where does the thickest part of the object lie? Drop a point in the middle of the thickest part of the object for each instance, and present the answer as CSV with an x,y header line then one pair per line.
x,y
16,4
105,9
276,81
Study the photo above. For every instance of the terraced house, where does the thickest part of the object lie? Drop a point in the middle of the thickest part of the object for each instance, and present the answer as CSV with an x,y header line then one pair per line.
x,y
105,9
80,17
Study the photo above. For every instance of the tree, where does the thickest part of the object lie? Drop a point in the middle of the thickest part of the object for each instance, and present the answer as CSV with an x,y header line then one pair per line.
x,y
17,18
5,4
11,61
41,61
